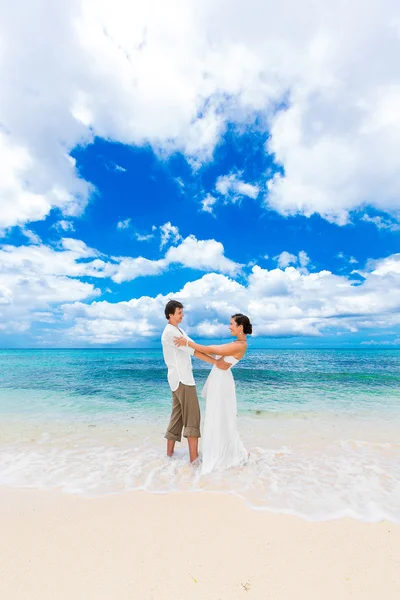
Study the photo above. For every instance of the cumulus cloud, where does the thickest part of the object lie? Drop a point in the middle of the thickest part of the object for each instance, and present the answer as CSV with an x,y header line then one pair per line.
x,y
131,268
34,280
280,303
103,331
386,266
201,254
206,300
204,255
326,89
286,258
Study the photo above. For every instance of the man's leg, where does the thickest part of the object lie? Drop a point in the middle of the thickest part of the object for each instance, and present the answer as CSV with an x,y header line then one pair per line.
x,y
191,419
170,447
193,443
174,430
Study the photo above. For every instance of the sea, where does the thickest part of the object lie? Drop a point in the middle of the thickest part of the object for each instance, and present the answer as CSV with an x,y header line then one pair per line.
x,y
322,428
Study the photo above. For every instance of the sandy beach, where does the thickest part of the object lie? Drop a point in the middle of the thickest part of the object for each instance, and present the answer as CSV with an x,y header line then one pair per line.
x,y
176,546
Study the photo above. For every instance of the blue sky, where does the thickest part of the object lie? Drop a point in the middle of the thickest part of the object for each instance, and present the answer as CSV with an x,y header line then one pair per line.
x,y
241,184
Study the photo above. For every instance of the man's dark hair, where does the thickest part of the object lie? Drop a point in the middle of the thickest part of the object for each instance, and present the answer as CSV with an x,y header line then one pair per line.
x,y
171,307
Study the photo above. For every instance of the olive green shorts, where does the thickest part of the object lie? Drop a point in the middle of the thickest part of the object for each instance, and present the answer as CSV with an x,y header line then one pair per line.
x,y
185,414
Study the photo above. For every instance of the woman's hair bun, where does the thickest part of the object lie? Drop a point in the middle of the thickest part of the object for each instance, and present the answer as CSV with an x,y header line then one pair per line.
x,y
245,321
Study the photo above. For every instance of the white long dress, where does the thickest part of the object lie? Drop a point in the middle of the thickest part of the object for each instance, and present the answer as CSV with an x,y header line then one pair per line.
x,y
222,446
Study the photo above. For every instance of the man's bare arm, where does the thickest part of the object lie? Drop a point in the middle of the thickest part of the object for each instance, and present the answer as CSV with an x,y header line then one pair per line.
x,y
221,364
233,348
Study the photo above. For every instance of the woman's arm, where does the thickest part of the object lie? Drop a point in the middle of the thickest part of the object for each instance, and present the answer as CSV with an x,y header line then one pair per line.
x,y
223,349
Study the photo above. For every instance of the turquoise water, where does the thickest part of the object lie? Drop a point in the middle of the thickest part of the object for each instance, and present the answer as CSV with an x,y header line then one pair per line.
x,y
322,426
135,380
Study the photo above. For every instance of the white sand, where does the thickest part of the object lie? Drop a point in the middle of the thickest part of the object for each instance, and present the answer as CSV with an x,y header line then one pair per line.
x,y
55,546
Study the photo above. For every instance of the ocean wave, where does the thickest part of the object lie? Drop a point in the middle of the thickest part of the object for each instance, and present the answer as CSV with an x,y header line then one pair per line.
x,y
342,480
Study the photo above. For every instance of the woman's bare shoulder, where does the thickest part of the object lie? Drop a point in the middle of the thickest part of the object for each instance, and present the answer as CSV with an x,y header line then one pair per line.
x,y
242,347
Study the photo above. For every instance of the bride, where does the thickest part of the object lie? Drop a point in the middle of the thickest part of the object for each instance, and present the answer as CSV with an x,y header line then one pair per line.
x,y
222,446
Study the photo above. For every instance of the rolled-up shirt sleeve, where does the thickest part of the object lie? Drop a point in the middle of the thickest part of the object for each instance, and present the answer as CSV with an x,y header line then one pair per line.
x,y
168,340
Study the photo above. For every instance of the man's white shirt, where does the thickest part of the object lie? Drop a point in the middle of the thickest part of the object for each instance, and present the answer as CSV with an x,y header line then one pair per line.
x,y
177,359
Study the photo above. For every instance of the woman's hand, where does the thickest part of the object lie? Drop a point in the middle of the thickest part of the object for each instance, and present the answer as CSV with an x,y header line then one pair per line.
x,y
180,341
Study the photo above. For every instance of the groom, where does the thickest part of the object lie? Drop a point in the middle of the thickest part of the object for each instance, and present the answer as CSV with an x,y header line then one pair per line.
x,y
185,404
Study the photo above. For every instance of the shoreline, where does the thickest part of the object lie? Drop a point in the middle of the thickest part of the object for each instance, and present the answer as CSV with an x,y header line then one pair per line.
x,y
179,545
61,492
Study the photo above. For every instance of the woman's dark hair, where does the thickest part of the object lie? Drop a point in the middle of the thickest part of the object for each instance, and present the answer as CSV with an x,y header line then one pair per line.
x,y
245,321
171,307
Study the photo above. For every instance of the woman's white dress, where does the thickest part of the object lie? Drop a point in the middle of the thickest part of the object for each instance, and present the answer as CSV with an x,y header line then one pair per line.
x,y
222,446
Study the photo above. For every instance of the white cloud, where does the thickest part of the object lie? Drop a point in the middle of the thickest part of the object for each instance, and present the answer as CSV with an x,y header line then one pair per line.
x,y
280,303
350,259
32,237
326,89
285,259
6,295
206,301
382,223
108,323
18,203
103,331
213,329
233,188
205,255
30,265
63,225
29,188
208,203
41,260
125,224
385,266
131,268
34,280
303,259
381,343
202,254
144,237
169,234
287,301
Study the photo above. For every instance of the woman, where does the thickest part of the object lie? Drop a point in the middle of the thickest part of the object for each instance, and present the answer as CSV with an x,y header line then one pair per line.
x,y
222,447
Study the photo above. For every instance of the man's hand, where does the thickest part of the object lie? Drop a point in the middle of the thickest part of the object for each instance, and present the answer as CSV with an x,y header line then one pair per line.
x,y
221,364
180,341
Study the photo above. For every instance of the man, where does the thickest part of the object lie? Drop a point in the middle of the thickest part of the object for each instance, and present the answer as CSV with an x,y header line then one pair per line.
x,y
185,404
